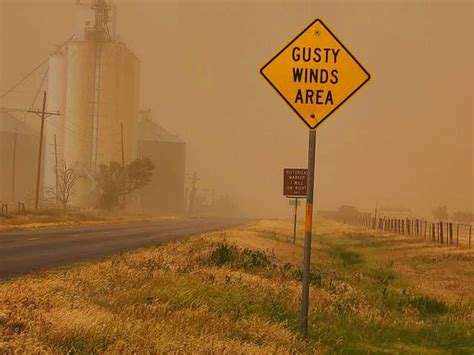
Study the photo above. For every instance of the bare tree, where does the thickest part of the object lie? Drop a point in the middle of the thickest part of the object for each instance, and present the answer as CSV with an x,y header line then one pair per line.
x,y
114,181
67,177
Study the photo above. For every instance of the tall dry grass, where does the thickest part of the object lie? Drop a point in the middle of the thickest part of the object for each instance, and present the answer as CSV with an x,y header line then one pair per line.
x,y
238,291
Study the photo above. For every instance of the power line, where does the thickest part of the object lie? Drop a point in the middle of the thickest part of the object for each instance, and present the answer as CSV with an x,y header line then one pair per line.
x,y
23,79
32,71
38,91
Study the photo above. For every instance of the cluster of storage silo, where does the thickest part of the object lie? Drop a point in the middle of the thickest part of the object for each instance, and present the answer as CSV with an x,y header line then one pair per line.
x,y
93,81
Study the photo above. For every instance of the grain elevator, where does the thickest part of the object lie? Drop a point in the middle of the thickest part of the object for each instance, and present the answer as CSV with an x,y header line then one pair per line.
x,y
94,83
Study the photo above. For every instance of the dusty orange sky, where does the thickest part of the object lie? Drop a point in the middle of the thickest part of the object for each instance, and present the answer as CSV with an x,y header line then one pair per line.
x,y
404,140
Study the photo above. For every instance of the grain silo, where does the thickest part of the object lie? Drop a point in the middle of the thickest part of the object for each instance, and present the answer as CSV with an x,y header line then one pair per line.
x,y
118,104
101,99
54,126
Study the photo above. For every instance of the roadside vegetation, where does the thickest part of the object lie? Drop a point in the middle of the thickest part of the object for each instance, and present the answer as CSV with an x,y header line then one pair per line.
x,y
238,291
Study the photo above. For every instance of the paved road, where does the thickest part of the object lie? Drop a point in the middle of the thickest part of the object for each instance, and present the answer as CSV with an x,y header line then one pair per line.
x,y
25,252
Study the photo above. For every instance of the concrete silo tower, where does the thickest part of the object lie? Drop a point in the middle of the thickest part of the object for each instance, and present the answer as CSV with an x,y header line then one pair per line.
x,y
57,84
101,97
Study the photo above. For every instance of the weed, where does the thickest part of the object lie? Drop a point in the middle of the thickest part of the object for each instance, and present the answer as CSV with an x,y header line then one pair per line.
x,y
315,278
254,259
347,257
424,305
246,259
383,277
223,254
428,306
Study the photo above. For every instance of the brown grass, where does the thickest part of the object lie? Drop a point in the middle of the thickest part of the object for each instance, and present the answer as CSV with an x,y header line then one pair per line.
x,y
375,293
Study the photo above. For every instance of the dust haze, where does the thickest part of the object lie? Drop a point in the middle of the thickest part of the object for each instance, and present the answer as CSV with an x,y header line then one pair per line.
x,y
405,140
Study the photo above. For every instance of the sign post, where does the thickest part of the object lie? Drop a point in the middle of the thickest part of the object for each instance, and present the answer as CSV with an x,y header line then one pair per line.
x,y
294,221
308,233
315,74
294,185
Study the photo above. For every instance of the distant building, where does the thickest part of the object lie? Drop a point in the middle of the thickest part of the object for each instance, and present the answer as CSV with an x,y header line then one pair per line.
x,y
19,144
165,194
93,82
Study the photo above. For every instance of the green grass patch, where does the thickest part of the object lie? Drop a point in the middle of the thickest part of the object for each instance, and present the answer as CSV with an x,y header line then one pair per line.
x,y
348,258
247,259
349,335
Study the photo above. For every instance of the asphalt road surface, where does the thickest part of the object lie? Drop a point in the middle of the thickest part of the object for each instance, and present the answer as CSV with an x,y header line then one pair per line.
x,y
24,252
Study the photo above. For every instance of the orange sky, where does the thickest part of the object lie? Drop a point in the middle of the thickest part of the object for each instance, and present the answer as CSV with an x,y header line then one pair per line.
x,y
404,140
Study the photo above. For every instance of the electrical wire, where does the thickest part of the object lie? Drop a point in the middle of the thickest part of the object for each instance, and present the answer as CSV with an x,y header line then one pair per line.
x,y
23,79
32,71
37,92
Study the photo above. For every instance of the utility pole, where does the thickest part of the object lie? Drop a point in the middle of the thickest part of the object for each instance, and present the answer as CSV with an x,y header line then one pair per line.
x,y
193,193
186,200
14,166
123,161
121,137
43,115
56,167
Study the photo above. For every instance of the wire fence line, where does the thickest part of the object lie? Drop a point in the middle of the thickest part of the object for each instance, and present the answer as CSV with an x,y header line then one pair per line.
x,y
445,233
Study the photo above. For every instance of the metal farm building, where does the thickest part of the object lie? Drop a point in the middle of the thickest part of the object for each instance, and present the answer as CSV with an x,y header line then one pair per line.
x,y
165,194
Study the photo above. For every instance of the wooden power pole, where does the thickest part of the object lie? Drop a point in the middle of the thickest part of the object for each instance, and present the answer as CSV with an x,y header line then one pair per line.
x,y
14,166
121,138
43,115
56,167
192,194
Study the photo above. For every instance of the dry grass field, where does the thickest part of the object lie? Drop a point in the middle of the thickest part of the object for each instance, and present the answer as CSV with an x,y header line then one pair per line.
x,y
238,291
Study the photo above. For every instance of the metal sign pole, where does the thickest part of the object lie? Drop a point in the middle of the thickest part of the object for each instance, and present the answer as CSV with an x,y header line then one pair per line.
x,y
308,230
294,222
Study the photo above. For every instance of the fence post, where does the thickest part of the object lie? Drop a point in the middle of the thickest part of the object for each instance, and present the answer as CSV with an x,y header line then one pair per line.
x,y
425,228
441,233
450,233
457,234
470,228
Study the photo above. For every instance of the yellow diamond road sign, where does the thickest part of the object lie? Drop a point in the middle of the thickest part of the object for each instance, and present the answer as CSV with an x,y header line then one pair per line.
x,y
315,74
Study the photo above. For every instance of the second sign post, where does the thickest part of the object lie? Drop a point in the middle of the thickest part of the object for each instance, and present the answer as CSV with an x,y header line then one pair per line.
x,y
294,186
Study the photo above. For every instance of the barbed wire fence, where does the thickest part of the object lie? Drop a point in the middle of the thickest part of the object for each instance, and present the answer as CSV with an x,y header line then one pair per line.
x,y
443,232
